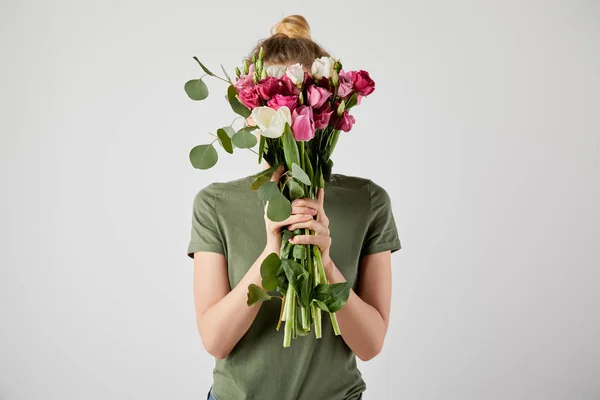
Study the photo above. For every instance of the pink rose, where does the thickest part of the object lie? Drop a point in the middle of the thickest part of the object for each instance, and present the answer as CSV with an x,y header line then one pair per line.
x,y
288,87
346,83
322,116
244,82
303,125
317,96
363,83
249,98
345,122
280,100
268,87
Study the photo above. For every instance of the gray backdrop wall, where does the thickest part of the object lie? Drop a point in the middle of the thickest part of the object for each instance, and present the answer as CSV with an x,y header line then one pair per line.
x,y
483,128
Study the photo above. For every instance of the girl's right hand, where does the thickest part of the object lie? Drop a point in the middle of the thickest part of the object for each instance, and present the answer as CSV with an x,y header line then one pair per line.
x,y
299,214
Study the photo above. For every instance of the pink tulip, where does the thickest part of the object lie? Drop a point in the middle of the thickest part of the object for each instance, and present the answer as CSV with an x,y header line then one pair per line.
x,y
303,125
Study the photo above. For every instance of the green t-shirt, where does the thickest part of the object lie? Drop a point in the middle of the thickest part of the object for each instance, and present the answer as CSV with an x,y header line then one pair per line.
x,y
228,218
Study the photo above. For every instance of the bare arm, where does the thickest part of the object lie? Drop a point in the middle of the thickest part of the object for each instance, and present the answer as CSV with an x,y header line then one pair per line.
x,y
364,319
222,314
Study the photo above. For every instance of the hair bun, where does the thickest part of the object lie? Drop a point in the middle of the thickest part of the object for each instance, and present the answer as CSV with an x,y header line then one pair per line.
x,y
294,26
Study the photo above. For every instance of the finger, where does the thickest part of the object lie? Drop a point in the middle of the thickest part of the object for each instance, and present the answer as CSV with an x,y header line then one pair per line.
x,y
320,240
303,210
312,224
321,196
292,219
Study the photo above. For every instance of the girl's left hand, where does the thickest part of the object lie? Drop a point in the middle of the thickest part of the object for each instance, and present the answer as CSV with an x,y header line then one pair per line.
x,y
320,225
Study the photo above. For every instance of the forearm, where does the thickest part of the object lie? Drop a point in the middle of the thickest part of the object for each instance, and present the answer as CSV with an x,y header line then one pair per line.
x,y
224,323
362,326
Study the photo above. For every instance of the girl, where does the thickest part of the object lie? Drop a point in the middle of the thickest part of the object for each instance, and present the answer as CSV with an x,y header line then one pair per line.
x,y
228,248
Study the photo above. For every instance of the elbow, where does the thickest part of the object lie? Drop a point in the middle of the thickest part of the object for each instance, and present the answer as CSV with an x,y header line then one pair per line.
x,y
371,352
213,345
213,349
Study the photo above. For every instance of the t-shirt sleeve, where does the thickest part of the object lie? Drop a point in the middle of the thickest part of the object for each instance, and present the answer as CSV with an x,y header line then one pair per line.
x,y
382,233
205,233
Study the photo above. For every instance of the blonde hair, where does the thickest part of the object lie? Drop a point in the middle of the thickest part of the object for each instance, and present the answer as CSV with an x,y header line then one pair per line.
x,y
290,42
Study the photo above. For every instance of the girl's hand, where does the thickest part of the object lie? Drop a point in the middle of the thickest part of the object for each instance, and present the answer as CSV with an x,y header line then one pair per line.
x,y
299,214
320,225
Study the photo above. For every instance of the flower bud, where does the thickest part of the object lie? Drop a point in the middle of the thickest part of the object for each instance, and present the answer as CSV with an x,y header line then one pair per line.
x,y
263,74
246,67
238,73
253,58
255,77
337,66
341,108
258,65
335,79
261,53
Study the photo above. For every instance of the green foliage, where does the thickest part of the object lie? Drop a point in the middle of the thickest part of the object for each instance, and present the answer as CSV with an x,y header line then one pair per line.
x,y
256,294
203,156
196,89
225,140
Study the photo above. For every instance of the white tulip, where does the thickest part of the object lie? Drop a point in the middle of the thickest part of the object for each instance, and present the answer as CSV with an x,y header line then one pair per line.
x,y
322,67
271,122
296,73
276,70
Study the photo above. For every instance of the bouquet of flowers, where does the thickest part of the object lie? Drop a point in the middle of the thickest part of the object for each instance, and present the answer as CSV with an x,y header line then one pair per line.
x,y
298,117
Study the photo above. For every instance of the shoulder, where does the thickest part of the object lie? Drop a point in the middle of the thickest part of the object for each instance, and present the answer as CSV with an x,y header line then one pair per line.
x,y
351,182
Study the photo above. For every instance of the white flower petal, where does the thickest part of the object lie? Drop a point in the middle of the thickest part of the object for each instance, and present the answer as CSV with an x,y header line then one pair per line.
x,y
262,116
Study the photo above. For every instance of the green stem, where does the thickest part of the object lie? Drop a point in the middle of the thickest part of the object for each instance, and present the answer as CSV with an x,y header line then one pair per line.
x,y
323,277
288,314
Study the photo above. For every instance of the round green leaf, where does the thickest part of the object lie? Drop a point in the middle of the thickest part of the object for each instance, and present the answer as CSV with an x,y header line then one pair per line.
x,y
196,89
244,139
225,140
279,208
296,191
298,173
203,156
236,106
268,191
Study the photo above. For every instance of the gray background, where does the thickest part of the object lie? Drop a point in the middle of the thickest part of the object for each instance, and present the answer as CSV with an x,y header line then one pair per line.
x,y
483,128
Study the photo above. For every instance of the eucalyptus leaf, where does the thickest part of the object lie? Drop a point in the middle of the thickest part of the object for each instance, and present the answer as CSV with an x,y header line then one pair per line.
x,y
225,140
226,74
256,294
204,67
298,173
236,106
268,191
296,191
244,139
290,147
196,89
262,177
203,156
279,208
